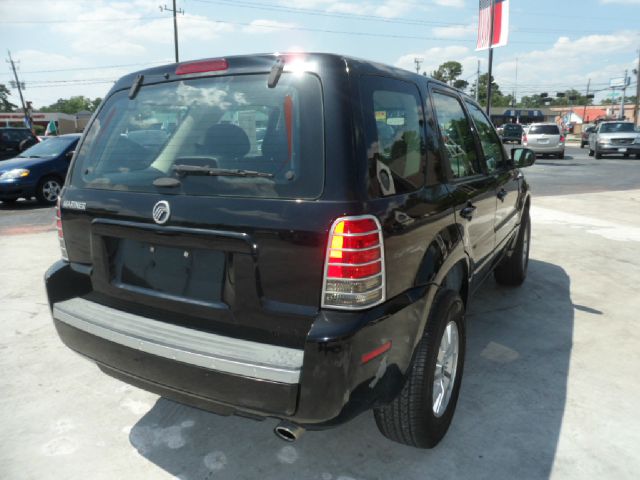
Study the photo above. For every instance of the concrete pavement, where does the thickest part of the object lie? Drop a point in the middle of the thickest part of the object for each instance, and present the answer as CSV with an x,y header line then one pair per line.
x,y
550,387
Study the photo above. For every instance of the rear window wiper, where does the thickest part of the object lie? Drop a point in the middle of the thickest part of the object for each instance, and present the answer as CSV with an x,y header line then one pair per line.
x,y
184,170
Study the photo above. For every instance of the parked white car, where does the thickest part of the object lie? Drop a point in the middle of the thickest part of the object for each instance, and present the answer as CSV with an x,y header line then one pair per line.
x,y
544,139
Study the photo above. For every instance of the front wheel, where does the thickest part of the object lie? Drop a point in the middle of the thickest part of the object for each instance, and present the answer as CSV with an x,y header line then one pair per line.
x,y
597,154
421,413
512,270
48,190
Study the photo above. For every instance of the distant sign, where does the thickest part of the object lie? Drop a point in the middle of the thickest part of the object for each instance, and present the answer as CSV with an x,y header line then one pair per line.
x,y
619,82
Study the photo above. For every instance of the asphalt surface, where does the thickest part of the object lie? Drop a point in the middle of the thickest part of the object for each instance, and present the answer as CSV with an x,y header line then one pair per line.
x,y
550,387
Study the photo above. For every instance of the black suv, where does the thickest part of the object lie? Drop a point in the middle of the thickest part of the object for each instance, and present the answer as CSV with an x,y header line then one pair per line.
x,y
14,141
512,132
288,236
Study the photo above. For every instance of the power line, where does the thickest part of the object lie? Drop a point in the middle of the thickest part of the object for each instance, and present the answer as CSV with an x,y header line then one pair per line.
x,y
104,67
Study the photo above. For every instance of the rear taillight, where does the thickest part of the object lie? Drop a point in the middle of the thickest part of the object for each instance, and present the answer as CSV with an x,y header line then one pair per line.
x,y
524,137
561,138
63,246
354,273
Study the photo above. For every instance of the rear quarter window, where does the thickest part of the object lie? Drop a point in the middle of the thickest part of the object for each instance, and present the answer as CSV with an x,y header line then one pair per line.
x,y
394,135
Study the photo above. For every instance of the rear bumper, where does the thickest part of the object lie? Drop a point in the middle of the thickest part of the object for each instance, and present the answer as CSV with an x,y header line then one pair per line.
x,y
318,386
545,149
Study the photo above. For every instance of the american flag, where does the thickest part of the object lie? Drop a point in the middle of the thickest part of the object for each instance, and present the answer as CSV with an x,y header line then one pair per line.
x,y
500,24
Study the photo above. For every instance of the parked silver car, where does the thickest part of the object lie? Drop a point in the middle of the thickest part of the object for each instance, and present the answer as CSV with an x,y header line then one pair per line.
x,y
620,138
544,139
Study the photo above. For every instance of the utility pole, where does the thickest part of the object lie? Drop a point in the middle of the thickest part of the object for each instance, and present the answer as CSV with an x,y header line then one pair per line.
x,y
637,111
418,62
478,81
19,86
624,92
489,88
515,90
586,100
175,24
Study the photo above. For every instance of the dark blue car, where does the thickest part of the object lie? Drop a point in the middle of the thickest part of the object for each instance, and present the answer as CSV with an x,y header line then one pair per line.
x,y
39,171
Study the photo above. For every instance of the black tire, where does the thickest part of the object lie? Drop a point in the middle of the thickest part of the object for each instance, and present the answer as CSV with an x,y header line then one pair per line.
x,y
410,419
590,153
597,154
582,144
46,190
561,155
512,270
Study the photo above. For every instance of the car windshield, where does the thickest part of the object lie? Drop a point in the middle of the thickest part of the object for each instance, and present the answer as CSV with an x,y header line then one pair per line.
x,y
617,127
209,124
51,148
544,129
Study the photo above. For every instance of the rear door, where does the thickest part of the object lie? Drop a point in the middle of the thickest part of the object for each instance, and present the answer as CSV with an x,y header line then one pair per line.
x,y
506,178
472,189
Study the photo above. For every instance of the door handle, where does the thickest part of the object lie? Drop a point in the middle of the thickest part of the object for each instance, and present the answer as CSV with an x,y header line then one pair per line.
x,y
467,212
502,194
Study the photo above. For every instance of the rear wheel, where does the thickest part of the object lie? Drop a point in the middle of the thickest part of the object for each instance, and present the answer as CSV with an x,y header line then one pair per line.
x,y
421,414
512,270
48,190
561,155
590,153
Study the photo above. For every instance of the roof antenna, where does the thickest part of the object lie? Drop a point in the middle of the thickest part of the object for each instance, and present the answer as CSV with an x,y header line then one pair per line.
x,y
276,71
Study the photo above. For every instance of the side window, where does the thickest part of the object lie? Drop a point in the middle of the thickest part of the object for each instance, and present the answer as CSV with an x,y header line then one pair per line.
x,y
394,135
456,135
491,144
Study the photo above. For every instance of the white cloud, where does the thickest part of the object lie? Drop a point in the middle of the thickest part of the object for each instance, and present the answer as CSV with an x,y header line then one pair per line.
x,y
266,26
456,31
450,3
434,57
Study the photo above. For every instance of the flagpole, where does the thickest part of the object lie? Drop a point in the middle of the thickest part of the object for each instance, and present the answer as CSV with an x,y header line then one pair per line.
x,y
489,88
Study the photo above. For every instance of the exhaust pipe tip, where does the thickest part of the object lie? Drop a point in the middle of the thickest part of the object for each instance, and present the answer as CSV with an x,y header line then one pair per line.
x,y
287,431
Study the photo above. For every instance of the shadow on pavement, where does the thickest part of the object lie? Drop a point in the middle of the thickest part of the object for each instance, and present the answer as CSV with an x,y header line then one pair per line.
x,y
506,426
22,205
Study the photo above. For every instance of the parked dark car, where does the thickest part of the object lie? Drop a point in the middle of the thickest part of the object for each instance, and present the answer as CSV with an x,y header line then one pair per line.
x,y
308,274
14,141
584,136
512,133
39,171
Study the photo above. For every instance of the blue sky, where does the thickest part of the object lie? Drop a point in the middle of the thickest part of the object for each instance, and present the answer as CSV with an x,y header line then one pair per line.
x,y
77,47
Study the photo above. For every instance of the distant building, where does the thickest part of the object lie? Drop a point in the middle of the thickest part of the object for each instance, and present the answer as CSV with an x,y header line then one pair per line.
x,y
65,122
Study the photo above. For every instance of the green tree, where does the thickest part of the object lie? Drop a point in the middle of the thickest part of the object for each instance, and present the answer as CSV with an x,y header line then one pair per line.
x,y
498,99
73,105
449,73
5,104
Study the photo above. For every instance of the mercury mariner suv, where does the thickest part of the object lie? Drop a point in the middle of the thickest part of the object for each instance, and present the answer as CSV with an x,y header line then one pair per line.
x,y
288,236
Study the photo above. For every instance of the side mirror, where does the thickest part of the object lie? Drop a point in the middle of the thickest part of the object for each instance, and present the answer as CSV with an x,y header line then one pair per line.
x,y
523,157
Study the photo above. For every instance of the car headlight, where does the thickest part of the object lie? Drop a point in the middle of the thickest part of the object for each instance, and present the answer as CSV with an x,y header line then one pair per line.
x,y
605,140
15,173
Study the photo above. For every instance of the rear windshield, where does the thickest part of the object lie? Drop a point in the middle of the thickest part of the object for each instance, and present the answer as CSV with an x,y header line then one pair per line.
x,y
617,127
512,128
544,129
229,136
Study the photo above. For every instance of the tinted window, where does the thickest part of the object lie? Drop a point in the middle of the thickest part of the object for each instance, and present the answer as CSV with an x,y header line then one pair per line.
x,y
456,135
491,144
544,129
231,122
511,128
394,135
